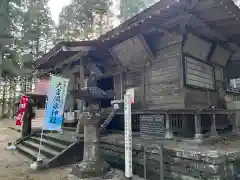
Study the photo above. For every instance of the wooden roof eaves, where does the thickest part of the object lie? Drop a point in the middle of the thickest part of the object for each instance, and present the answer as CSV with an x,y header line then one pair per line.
x,y
65,46
72,58
146,14
55,50
229,4
211,31
150,11
216,31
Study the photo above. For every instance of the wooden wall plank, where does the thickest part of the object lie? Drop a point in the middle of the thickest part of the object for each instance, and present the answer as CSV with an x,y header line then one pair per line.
x,y
117,87
198,74
132,51
218,73
168,52
196,98
167,40
220,56
197,47
162,86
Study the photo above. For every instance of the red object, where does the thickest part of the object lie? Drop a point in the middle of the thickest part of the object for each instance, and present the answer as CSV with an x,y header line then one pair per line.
x,y
24,103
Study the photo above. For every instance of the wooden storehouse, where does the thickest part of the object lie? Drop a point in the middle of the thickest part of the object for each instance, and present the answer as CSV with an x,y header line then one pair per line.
x,y
173,54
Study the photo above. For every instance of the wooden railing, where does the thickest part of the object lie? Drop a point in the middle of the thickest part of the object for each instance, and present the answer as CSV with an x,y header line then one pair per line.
x,y
233,93
195,122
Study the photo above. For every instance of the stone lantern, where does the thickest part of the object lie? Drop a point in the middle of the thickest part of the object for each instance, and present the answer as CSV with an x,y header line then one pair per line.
x,y
92,165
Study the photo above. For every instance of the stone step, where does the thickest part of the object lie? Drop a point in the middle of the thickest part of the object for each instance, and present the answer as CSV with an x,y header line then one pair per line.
x,y
56,149
49,143
71,129
46,151
29,152
61,139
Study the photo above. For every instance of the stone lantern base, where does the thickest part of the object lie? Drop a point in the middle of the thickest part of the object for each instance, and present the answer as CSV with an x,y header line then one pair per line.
x,y
90,169
114,174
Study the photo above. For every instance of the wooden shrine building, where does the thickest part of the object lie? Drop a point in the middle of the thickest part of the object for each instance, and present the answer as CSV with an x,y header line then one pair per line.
x,y
173,54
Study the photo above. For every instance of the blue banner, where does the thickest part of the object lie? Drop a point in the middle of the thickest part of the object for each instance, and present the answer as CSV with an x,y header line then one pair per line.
x,y
56,97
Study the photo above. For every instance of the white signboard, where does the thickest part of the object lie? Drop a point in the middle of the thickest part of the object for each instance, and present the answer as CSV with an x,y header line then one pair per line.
x,y
131,93
128,135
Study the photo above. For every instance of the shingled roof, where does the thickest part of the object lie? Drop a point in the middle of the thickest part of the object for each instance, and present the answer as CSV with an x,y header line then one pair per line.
x,y
217,20
62,51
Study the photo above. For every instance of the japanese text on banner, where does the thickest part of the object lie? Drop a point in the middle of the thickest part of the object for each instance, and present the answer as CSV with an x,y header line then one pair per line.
x,y
24,103
56,99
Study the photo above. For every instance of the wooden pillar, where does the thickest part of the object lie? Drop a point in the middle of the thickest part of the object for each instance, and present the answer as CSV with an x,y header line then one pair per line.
x,y
213,132
169,133
235,124
79,129
122,85
198,127
184,129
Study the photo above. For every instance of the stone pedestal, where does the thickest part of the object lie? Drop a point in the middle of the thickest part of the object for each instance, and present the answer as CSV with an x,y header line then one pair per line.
x,y
92,165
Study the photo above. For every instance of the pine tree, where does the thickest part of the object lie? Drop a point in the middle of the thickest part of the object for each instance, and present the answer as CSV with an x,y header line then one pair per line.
x,y
37,36
129,8
77,20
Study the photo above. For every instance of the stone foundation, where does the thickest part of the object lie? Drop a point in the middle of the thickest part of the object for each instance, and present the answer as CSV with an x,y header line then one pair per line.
x,y
181,162
114,174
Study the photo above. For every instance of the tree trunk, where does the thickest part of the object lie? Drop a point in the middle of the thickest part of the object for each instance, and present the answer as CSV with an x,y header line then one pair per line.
x,y
123,10
1,61
14,96
4,97
101,24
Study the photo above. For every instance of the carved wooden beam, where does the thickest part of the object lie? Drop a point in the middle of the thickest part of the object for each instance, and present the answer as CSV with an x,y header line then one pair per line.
x,y
92,67
72,58
193,4
213,33
114,56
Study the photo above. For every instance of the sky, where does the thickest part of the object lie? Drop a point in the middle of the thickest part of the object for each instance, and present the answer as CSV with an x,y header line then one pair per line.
x,y
56,7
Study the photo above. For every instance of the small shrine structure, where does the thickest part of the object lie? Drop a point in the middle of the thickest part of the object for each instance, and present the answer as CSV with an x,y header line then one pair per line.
x,y
173,54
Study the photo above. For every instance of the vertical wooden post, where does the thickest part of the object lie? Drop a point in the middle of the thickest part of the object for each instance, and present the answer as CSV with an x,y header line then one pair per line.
x,y
198,127
214,132
81,85
235,124
122,86
183,120
169,133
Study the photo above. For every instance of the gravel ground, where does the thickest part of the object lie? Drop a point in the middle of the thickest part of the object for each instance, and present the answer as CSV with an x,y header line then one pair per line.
x,y
14,166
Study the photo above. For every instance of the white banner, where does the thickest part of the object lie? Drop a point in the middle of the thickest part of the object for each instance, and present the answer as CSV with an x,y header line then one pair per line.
x,y
57,92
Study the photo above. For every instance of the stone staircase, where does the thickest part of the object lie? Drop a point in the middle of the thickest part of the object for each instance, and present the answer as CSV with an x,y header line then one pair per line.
x,y
56,149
